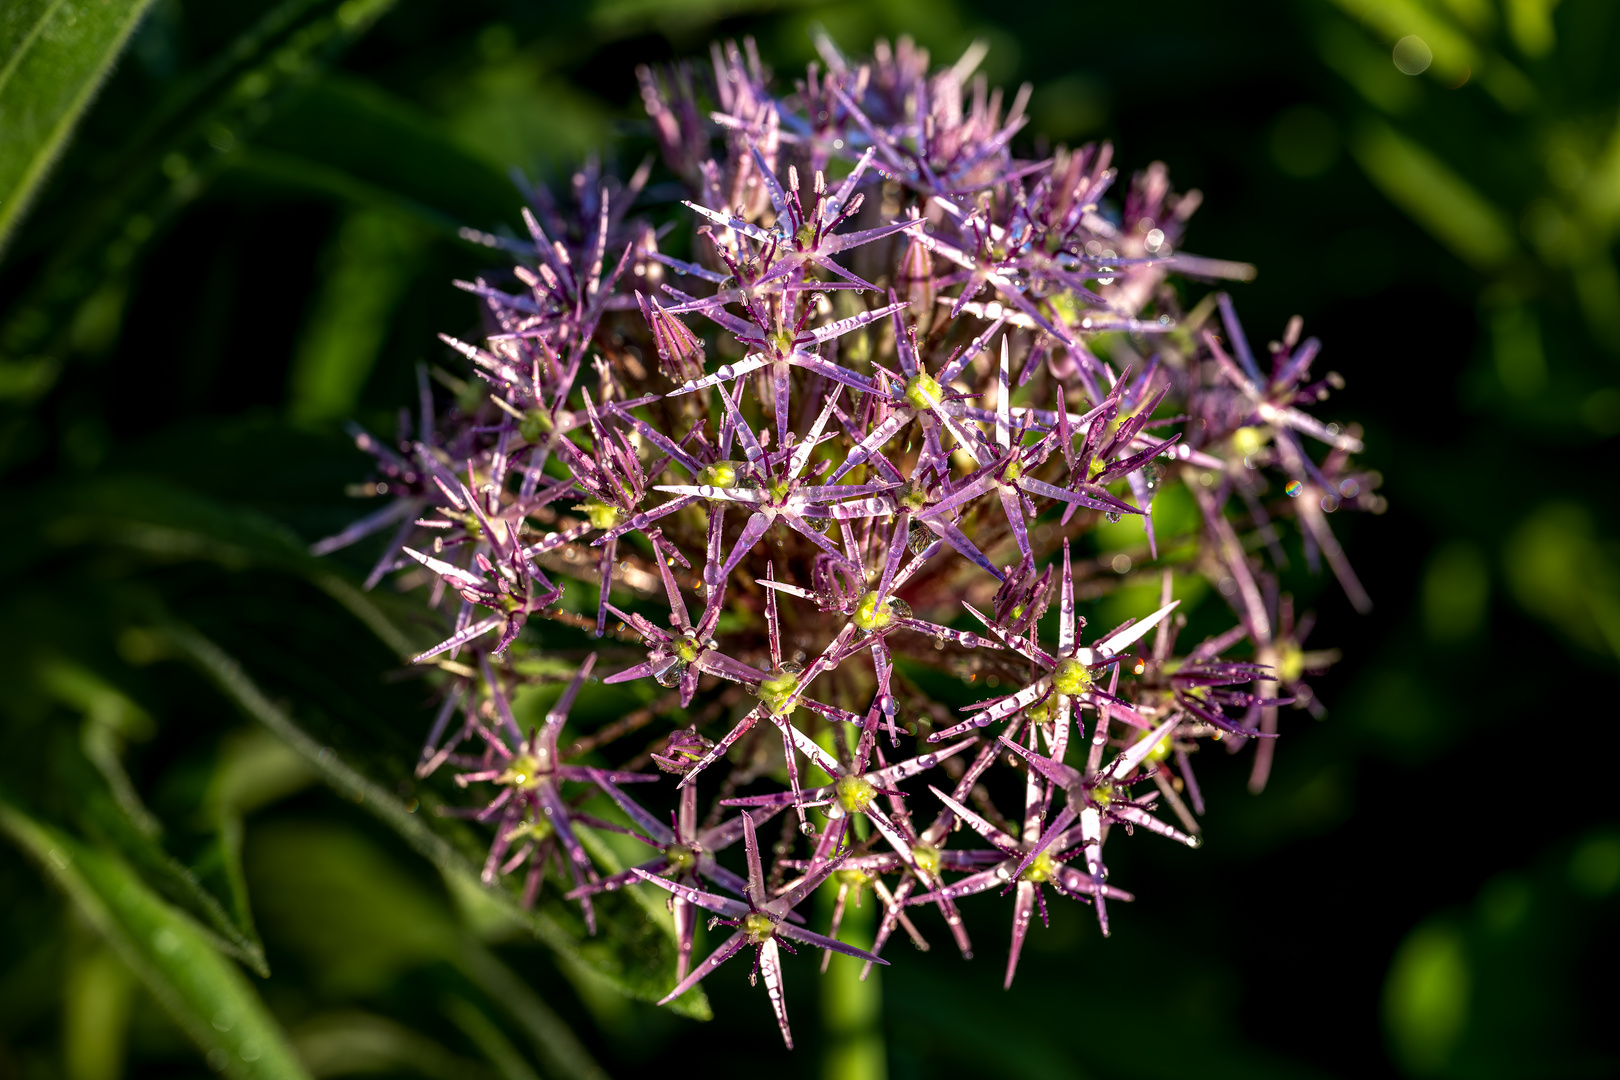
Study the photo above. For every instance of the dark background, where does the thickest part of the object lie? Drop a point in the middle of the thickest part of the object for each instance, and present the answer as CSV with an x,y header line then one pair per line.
x,y
210,283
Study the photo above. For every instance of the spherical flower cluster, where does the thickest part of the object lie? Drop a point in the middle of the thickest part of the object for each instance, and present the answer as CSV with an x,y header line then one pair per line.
x,y
859,428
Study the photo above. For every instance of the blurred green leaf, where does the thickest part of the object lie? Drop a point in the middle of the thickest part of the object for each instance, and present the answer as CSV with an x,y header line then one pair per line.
x,y
362,921
75,303
1456,591
1457,52
1521,362
1440,200
628,952
109,717
389,150
1426,998
203,992
110,808
357,918
556,1043
177,881
96,1003
1559,569
54,56
254,768
170,523
1492,991
349,1042
1594,868
369,268
489,1039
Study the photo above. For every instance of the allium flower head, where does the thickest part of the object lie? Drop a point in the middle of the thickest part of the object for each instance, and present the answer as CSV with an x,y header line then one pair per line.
x,y
860,408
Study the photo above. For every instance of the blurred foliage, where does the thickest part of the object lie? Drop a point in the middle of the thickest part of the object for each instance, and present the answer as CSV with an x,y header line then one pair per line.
x,y
217,857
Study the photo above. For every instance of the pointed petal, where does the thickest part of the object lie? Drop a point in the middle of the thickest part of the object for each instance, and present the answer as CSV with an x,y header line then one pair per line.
x,y
725,952
770,969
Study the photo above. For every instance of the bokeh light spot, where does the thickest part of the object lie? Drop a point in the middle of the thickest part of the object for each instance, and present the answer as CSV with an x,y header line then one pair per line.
x,y
1413,55
1594,869
1426,997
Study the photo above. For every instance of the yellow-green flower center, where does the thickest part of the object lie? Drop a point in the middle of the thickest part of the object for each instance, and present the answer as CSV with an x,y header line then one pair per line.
x,y
1247,441
1290,662
535,425
1041,869
687,648
854,878
601,515
522,772
1071,677
531,830
854,794
776,687
1160,750
871,616
1102,794
1042,711
912,496
721,474
759,928
923,391
1065,306
680,858
782,342
1014,469
926,856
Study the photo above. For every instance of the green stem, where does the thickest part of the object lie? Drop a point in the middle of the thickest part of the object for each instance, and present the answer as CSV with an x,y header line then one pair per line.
x,y
852,1010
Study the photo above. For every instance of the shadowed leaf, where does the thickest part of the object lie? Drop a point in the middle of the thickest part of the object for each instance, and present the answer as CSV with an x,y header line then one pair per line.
x,y
53,58
204,993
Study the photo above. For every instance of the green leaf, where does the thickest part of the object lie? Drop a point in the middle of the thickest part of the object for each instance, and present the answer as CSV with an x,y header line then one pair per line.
x,y
1437,198
168,522
204,993
1426,997
629,952
558,1048
391,151
75,304
178,883
97,998
115,814
489,1039
54,56
255,768
348,1042
369,266
109,718
362,920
